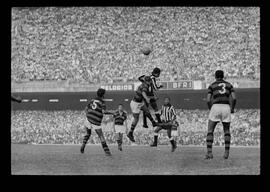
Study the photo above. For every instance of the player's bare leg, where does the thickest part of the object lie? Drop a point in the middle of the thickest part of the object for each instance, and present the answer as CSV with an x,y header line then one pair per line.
x,y
148,115
227,139
210,139
133,125
85,139
154,144
103,142
119,139
173,143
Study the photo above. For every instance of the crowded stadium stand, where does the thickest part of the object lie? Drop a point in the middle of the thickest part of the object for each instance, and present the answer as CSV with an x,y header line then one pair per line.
x,y
102,44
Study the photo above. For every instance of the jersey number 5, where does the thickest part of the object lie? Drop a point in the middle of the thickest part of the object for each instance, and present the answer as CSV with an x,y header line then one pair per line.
x,y
223,90
94,104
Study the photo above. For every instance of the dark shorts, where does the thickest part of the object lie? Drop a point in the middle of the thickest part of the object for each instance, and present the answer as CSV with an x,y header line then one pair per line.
x,y
166,126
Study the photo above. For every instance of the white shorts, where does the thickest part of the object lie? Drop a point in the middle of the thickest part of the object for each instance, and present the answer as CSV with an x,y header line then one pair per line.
x,y
90,125
136,106
220,112
120,129
174,133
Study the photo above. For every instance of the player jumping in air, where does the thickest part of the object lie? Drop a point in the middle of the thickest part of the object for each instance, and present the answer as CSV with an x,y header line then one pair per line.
x,y
169,123
94,113
218,101
154,87
120,117
138,103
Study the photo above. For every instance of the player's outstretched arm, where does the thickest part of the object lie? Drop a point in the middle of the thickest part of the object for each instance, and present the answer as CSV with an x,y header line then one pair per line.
x,y
18,99
141,78
233,102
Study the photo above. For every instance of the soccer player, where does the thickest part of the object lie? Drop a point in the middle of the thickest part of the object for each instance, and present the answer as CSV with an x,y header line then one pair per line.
x,y
94,113
138,103
120,117
221,107
16,99
154,87
169,123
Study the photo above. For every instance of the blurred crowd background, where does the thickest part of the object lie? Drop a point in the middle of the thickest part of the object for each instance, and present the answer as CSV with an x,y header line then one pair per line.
x,y
67,127
102,44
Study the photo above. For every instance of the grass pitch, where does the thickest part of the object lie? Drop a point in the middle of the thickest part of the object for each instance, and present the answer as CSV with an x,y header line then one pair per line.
x,y
133,160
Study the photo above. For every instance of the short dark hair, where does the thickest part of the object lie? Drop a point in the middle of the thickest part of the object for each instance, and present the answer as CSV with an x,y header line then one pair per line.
x,y
100,92
156,70
219,74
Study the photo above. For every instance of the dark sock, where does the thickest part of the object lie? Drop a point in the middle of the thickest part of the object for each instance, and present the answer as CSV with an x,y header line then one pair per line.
x,y
144,119
155,139
105,146
87,136
119,142
209,141
158,117
227,138
172,142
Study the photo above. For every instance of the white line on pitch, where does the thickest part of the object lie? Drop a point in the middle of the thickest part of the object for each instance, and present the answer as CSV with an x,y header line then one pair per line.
x,y
83,100
34,100
108,99
53,100
25,100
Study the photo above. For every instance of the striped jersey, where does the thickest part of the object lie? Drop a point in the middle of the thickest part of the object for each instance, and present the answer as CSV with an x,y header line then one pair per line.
x,y
138,93
94,112
220,91
167,113
119,117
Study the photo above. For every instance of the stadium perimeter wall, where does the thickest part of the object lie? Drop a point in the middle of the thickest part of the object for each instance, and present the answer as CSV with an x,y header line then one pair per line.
x,y
182,99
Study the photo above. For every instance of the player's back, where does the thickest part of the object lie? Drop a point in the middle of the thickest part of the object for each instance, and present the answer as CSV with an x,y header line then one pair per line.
x,y
138,93
94,111
221,91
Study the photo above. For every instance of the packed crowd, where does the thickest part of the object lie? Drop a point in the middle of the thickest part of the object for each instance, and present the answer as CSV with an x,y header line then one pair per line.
x,y
102,44
67,127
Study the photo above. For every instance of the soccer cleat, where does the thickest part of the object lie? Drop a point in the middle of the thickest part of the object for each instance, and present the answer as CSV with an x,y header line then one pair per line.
x,y
82,148
131,137
153,145
120,148
145,126
209,156
226,155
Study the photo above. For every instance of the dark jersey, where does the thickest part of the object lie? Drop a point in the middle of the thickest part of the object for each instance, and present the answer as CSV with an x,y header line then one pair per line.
x,y
220,91
138,93
154,85
175,125
94,112
119,118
